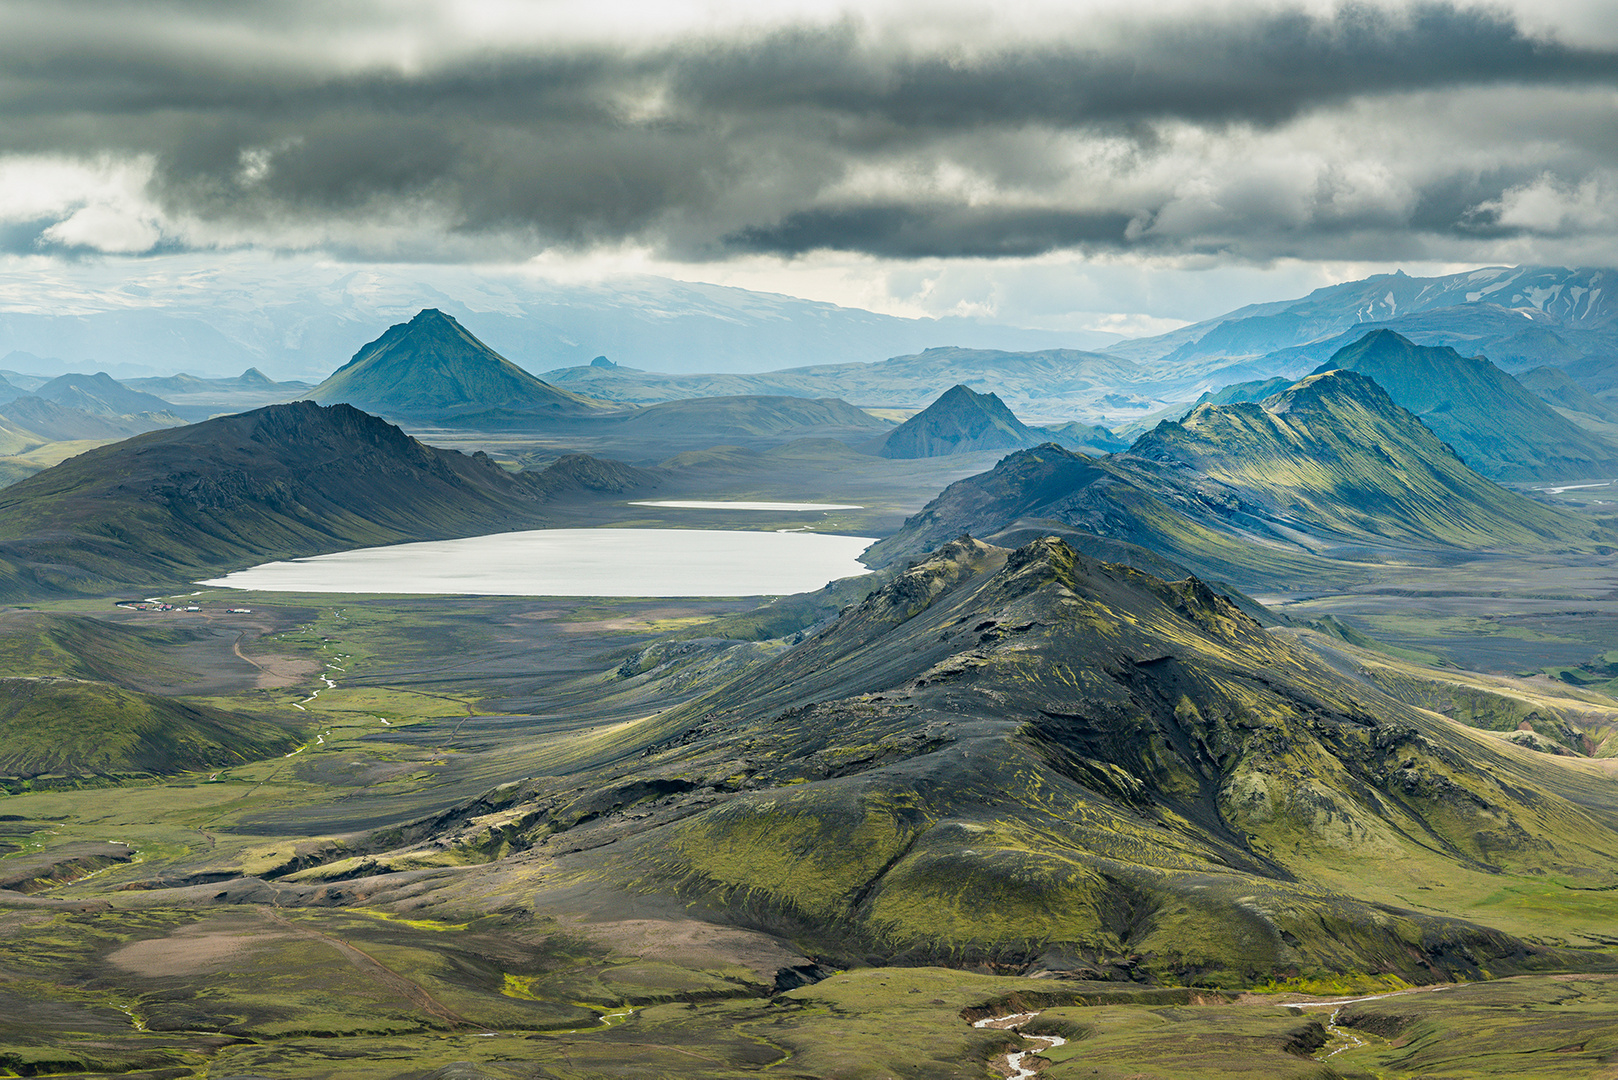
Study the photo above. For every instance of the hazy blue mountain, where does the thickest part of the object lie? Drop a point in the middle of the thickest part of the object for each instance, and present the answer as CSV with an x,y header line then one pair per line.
x,y
1496,426
726,419
56,423
961,421
1569,303
295,323
183,383
1086,438
1553,386
1050,383
102,395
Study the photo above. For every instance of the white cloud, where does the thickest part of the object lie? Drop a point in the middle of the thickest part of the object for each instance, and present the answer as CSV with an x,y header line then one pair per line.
x,y
101,205
1553,207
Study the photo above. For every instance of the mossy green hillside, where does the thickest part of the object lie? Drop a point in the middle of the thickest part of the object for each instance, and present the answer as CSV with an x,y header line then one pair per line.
x,y
1104,511
1334,456
74,728
84,647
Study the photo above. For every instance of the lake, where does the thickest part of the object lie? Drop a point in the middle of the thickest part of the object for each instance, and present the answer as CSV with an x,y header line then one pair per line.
x,y
575,562
691,504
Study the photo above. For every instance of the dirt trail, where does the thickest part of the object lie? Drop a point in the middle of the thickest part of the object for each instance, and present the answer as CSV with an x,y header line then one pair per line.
x,y
406,988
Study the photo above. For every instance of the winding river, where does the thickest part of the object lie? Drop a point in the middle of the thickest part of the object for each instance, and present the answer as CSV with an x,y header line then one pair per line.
x,y
1017,1060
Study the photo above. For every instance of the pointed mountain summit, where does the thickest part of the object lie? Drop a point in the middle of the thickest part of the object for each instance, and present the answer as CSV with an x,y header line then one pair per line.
x,y
961,421
1496,425
432,366
256,378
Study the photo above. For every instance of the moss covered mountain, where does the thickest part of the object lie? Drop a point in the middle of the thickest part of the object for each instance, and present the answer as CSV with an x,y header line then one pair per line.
x,y
1256,493
433,367
1336,457
1104,509
1496,425
960,421
279,482
1039,760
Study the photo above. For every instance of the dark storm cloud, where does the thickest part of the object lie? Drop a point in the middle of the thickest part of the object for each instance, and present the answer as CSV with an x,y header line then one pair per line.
x,y
908,232
1259,69
749,143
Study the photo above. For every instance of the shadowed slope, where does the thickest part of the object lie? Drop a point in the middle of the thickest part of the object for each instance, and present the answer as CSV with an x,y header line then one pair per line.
x,y
278,482
75,728
1103,510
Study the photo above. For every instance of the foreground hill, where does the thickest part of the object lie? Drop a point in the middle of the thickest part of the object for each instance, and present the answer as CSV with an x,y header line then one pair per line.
x,y
1496,425
279,482
1040,760
433,367
961,421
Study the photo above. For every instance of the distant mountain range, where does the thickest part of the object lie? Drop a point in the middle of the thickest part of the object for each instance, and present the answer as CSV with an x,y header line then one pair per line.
x,y
294,322
1498,306
751,344
252,379
1040,385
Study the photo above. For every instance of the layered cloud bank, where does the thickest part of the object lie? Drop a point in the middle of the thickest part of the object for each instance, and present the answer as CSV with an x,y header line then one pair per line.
x,y
488,132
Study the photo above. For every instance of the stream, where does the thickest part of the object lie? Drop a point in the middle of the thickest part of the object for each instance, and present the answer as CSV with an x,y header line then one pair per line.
x,y
1017,1060
1351,1039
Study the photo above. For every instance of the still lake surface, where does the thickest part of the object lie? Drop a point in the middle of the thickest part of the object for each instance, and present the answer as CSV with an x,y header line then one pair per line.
x,y
575,562
695,504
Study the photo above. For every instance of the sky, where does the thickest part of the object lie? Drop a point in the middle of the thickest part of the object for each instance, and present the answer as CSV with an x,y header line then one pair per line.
x,y
1102,165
